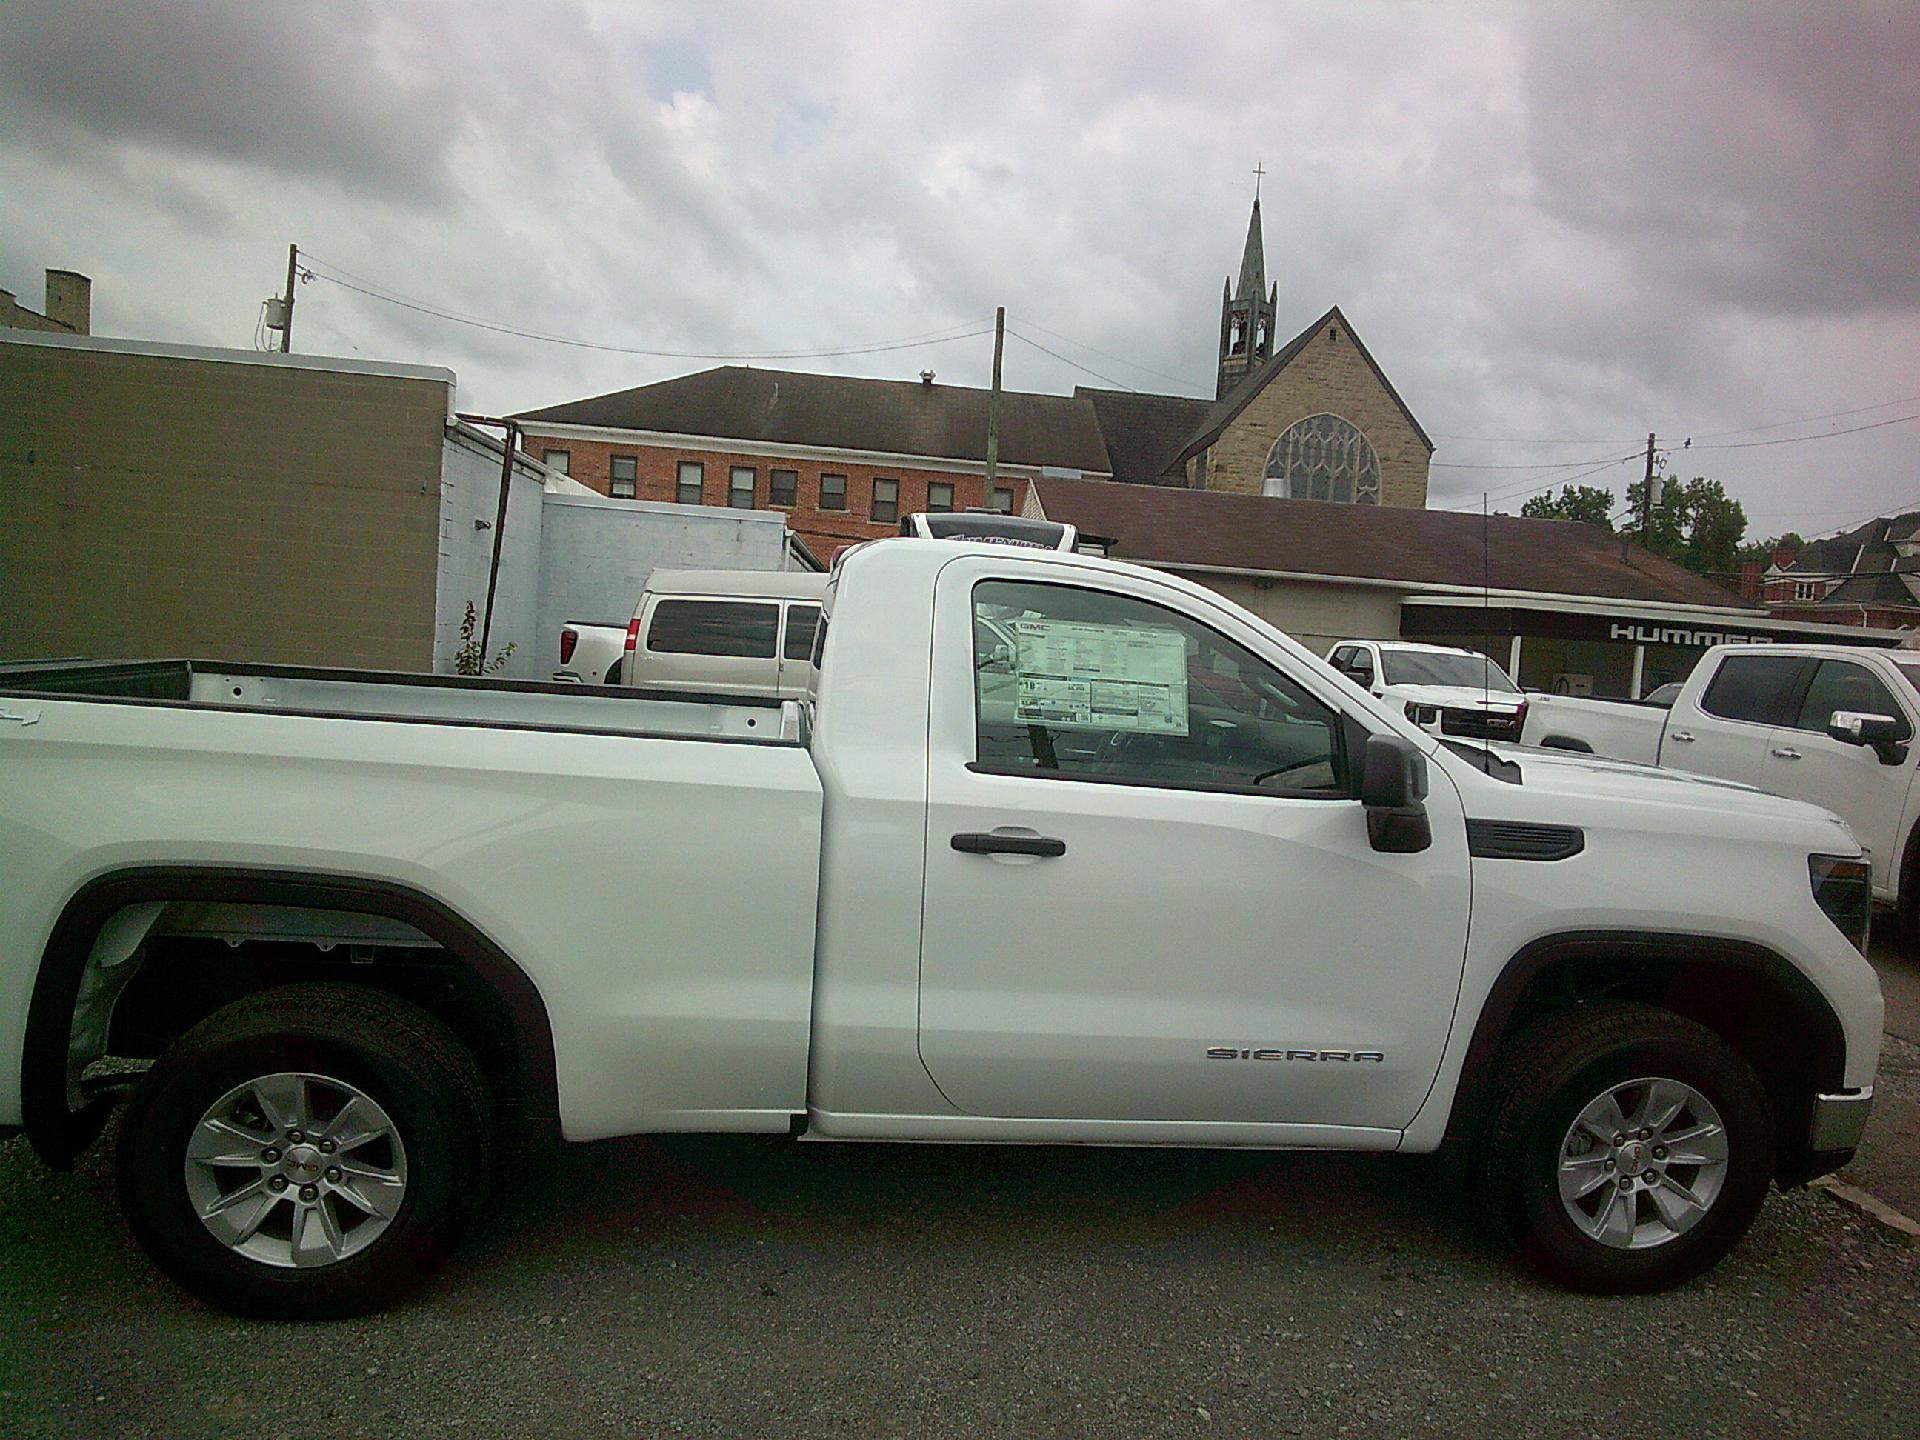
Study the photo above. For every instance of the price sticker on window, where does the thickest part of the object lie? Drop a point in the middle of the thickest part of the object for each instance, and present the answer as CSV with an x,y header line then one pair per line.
x,y
1074,676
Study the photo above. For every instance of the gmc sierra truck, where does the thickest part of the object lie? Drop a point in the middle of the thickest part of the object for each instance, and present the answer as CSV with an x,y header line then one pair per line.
x,y
1829,724
1059,850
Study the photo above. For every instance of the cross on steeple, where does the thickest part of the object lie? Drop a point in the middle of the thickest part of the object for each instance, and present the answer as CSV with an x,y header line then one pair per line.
x,y
1259,169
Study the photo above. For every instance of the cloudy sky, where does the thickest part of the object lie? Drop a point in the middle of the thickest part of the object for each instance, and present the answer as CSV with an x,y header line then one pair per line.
x,y
1556,226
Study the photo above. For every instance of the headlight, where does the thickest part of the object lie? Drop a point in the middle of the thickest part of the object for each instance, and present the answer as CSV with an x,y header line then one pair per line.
x,y
1843,889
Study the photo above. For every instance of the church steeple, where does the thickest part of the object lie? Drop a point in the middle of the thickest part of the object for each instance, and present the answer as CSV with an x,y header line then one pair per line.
x,y
1253,260
1247,311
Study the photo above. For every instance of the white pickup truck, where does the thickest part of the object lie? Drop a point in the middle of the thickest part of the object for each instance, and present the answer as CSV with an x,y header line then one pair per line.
x,y
1443,690
1061,850
591,653
1829,724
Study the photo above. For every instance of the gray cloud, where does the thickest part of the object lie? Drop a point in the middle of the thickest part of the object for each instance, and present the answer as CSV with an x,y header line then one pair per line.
x,y
319,95
1548,224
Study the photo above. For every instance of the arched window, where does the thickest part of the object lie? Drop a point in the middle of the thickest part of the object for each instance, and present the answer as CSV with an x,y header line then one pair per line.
x,y
1323,458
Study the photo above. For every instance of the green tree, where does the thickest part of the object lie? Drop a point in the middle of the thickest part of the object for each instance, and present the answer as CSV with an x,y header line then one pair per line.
x,y
1668,535
1697,524
1716,524
1589,503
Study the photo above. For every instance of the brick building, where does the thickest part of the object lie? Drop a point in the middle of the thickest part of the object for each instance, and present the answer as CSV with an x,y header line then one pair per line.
x,y
1869,575
844,457
1315,418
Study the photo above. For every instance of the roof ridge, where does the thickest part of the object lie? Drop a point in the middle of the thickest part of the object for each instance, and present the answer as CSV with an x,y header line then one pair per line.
x,y
1236,400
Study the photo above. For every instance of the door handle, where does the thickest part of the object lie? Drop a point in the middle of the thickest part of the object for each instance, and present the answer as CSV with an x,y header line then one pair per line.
x,y
1786,752
979,842
1685,736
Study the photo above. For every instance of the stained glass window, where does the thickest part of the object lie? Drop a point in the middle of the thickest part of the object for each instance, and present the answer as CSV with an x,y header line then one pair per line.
x,y
1323,458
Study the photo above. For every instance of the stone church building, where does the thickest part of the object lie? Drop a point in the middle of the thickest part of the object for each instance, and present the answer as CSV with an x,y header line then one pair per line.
x,y
1313,418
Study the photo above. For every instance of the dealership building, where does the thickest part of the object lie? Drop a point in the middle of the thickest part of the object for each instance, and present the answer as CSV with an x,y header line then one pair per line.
x,y
1562,605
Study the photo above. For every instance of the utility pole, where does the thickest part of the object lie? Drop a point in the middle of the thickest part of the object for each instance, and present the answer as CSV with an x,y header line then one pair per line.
x,y
286,327
993,401
1648,499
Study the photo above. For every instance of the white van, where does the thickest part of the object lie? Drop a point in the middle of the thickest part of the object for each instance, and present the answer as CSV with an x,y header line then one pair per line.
x,y
725,632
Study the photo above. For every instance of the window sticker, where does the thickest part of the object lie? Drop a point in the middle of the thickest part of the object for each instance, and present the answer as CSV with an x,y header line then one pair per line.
x,y
1074,676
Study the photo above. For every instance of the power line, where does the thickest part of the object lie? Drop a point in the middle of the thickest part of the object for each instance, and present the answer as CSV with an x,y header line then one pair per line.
x,y
1809,419
1710,435
937,337
1558,480
1086,369
1518,440
1802,439
1536,465
1104,354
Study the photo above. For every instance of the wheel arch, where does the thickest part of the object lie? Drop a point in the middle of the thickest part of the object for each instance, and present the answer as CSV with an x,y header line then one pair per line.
x,y
59,1133
1750,995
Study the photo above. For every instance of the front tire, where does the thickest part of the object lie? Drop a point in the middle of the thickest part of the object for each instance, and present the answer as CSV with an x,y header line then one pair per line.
x,y
1629,1147
309,1152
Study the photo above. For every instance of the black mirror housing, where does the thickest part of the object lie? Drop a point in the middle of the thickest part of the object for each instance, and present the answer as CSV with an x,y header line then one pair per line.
x,y
1393,788
1885,734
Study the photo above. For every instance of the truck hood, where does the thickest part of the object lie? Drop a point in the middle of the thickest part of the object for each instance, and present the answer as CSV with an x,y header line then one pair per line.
x,y
1456,697
1594,777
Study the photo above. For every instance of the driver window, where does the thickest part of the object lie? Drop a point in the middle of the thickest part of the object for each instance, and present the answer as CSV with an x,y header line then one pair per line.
x,y
1842,685
1083,685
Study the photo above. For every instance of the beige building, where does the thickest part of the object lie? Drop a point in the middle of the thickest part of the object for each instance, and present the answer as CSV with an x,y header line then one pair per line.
x,y
173,501
69,305
176,501
1562,605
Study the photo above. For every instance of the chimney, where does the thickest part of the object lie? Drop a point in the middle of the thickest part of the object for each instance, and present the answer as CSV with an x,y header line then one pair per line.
x,y
926,378
70,300
1784,555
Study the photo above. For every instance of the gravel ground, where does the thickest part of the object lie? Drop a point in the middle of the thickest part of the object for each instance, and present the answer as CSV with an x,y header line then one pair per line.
x,y
764,1287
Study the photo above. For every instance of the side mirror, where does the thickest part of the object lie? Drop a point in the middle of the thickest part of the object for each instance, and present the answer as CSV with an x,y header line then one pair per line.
x,y
1887,734
1393,788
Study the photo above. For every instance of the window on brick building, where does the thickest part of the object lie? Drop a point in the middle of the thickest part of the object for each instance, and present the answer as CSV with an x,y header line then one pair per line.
x,y
1806,589
886,500
1001,499
939,497
740,483
783,487
833,492
624,483
687,491
555,460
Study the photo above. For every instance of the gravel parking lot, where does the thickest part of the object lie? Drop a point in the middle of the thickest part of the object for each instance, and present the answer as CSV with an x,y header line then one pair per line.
x,y
736,1287
765,1287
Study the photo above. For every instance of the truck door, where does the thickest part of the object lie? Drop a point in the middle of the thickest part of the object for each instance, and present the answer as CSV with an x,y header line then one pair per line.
x,y
1805,763
1724,733
1149,895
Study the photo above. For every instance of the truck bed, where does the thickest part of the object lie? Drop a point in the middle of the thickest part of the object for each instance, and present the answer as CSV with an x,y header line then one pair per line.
x,y
391,695
538,814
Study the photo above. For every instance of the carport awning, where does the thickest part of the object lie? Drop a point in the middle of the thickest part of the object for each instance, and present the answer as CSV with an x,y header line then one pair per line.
x,y
1623,622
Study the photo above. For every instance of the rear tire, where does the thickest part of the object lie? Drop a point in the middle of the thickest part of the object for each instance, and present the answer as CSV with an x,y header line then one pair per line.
x,y
1609,1193
336,1139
